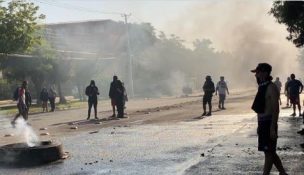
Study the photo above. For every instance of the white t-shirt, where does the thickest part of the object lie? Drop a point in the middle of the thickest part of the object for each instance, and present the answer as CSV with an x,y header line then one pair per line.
x,y
221,87
21,96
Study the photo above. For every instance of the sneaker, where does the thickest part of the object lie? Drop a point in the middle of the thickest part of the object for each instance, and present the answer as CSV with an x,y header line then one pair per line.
x,y
204,114
209,114
88,118
293,114
223,108
96,118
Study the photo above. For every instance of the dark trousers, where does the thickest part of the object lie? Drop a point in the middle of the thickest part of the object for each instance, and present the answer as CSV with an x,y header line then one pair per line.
x,y
52,102
120,108
207,100
92,103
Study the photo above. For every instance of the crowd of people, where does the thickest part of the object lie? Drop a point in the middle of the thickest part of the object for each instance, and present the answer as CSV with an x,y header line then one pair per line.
x,y
117,94
266,105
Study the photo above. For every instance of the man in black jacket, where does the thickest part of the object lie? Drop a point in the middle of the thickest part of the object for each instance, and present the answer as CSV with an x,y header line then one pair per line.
x,y
92,92
208,89
116,94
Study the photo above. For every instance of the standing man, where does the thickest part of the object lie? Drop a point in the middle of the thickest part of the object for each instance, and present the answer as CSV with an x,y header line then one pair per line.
x,y
221,88
286,91
92,92
278,83
52,97
116,95
44,97
125,99
20,96
113,94
208,89
266,105
120,99
295,87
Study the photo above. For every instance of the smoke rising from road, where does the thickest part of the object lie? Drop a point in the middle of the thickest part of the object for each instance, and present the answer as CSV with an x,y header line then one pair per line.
x,y
26,132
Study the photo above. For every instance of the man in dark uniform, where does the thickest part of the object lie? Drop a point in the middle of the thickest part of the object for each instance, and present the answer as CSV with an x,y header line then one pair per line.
x,y
208,89
92,92
266,105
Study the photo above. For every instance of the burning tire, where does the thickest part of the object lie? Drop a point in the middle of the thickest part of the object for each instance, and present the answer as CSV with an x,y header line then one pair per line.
x,y
20,154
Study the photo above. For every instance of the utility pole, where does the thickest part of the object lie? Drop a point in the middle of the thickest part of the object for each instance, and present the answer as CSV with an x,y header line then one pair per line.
x,y
129,55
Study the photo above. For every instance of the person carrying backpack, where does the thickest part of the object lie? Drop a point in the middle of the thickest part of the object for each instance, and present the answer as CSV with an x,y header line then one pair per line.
x,y
20,97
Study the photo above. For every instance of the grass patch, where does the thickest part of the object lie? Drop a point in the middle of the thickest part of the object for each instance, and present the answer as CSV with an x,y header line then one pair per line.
x,y
37,108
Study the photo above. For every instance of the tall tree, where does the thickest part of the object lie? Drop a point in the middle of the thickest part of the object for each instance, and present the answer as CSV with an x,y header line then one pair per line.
x,y
291,13
18,26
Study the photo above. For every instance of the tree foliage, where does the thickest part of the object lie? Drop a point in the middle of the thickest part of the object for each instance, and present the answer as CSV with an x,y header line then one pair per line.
x,y
291,13
18,26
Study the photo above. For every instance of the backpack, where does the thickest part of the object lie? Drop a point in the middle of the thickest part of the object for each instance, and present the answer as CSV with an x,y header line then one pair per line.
x,y
88,91
16,94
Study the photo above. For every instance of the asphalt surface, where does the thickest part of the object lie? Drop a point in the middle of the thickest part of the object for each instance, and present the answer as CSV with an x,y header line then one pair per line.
x,y
220,144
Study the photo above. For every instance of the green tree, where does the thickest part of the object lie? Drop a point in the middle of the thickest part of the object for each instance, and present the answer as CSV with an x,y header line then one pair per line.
x,y
36,67
18,26
291,13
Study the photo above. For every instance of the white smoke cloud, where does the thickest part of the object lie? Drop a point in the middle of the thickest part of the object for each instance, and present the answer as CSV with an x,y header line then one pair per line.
x,y
243,28
26,132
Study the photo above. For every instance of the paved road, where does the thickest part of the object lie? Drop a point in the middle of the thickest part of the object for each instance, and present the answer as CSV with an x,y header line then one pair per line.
x,y
221,144
227,143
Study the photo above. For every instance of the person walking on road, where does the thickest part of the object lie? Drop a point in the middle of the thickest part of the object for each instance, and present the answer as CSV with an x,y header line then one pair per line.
x,y
92,92
295,89
208,89
222,88
266,105
278,83
20,97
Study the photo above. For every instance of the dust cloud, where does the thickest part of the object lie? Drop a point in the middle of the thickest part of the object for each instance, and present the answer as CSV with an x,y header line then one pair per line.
x,y
244,29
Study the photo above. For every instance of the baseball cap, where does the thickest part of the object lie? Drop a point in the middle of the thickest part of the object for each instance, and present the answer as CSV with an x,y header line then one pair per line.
x,y
262,67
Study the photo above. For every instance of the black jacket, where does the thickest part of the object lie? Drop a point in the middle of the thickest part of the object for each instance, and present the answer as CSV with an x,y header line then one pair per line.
x,y
209,88
116,90
92,93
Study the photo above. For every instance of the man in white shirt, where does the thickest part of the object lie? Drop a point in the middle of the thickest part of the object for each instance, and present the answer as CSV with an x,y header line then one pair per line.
x,y
221,88
21,103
